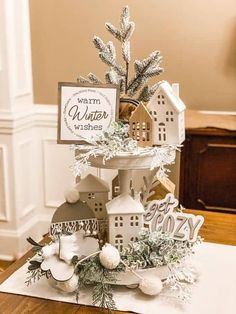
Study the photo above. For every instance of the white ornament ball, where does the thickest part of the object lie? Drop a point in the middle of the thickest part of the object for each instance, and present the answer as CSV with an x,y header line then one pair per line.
x,y
109,256
151,286
72,196
69,285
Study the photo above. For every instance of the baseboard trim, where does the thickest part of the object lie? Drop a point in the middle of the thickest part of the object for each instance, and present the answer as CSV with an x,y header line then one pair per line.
x,y
13,242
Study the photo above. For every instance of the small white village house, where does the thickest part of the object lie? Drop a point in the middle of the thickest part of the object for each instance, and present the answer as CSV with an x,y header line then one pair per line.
x,y
94,191
167,110
125,216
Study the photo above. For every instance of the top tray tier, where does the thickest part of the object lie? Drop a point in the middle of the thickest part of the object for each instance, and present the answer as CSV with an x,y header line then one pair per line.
x,y
128,161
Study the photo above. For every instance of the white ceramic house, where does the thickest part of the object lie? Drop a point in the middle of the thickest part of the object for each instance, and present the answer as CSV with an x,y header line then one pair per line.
x,y
94,191
167,110
125,216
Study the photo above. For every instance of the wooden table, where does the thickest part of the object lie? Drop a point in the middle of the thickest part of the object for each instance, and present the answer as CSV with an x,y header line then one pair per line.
x,y
218,228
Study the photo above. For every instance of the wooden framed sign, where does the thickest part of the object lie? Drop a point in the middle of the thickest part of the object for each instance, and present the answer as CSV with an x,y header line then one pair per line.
x,y
85,111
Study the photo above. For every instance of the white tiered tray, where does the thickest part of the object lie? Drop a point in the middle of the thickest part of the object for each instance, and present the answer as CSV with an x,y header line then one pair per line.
x,y
127,278
125,162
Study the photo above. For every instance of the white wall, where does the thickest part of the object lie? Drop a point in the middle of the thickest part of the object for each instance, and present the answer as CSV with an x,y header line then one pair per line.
x,y
34,169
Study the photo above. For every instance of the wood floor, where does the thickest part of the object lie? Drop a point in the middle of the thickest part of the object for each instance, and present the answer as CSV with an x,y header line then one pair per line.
x,y
217,228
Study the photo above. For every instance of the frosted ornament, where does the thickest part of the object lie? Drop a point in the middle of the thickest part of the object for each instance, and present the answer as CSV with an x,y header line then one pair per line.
x,y
160,216
109,256
151,286
72,196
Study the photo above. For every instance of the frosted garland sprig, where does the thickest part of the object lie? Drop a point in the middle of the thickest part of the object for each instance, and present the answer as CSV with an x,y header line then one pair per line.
x,y
115,141
156,249
102,267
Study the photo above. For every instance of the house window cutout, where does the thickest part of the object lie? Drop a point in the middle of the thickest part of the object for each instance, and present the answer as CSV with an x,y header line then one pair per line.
x,y
134,221
119,242
118,221
133,239
169,116
91,196
162,132
117,189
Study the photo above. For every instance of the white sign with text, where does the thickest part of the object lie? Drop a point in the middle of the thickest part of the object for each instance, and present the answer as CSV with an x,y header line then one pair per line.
x,y
161,215
85,111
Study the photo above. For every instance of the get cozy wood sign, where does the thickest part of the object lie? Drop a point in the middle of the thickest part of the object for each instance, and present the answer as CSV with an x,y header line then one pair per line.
x,y
85,111
161,216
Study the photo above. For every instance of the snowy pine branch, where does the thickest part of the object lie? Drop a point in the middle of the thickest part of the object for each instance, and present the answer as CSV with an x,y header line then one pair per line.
x,y
94,79
91,79
112,49
124,18
129,32
114,31
111,77
147,92
122,84
126,51
107,54
118,74
83,80
144,69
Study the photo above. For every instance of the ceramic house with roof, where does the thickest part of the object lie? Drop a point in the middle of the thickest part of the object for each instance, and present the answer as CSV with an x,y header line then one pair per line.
x,y
125,216
167,110
94,191
140,126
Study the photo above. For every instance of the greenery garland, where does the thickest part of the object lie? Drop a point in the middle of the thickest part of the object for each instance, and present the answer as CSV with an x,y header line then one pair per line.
x,y
150,250
116,141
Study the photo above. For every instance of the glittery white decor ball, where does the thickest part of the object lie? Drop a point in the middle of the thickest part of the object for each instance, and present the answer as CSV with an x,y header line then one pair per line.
x,y
69,285
72,196
151,286
109,256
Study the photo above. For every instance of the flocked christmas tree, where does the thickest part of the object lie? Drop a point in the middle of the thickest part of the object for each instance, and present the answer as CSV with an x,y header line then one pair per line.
x,y
135,87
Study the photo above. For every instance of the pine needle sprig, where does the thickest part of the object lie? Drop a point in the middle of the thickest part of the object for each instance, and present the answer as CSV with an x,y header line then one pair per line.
x,y
126,51
83,80
35,275
144,69
147,92
92,272
94,79
111,77
114,31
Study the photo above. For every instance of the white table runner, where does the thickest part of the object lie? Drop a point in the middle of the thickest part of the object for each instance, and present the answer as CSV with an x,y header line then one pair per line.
x,y
214,293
